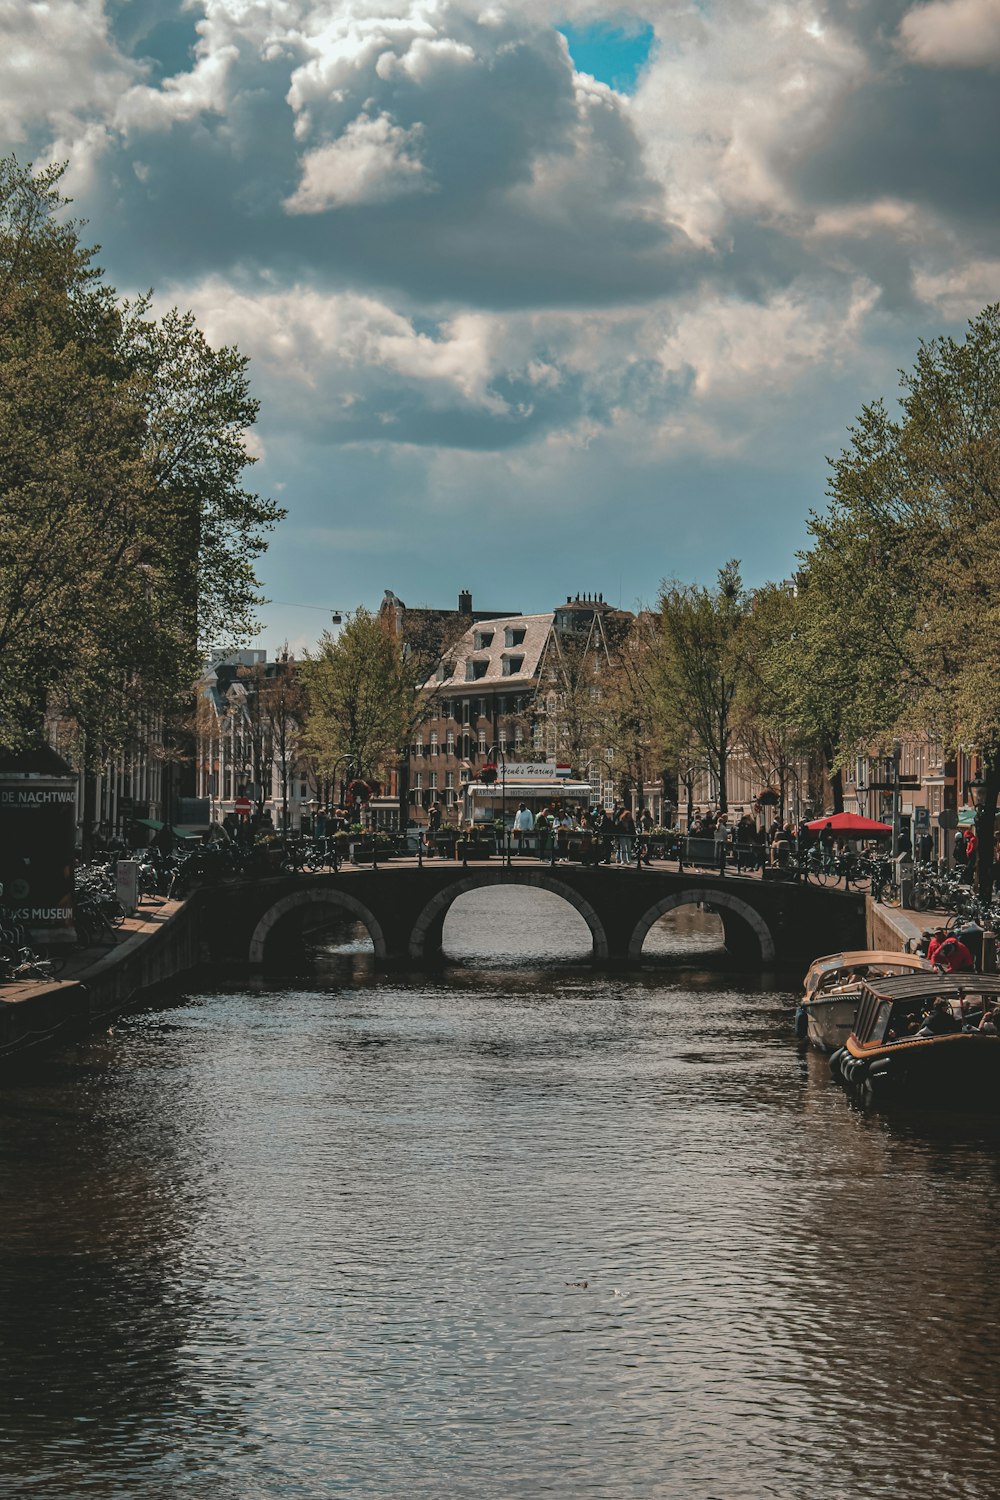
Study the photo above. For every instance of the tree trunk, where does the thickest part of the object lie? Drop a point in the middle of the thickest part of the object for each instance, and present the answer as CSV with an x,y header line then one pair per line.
x,y
986,815
837,788
723,790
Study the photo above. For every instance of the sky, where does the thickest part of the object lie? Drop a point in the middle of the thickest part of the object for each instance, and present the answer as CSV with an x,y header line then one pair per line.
x,y
539,297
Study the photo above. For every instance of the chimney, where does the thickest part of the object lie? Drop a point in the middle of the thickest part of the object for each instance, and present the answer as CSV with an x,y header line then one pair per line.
x,y
465,603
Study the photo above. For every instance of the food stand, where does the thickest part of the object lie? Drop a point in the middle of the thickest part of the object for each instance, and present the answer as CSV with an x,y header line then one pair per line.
x,y
537,785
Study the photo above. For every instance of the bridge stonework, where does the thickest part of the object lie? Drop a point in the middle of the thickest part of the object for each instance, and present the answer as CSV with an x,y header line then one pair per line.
x,y
766,924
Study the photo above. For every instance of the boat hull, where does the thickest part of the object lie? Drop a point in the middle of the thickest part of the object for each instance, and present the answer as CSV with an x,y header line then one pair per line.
x,y
962,1066
829,1020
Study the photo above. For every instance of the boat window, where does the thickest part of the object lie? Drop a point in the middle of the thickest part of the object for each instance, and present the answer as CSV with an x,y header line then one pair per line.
x,y
879,1027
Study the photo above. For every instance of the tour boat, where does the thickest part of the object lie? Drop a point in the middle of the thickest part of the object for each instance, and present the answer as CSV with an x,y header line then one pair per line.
x,y
885,1054
832,989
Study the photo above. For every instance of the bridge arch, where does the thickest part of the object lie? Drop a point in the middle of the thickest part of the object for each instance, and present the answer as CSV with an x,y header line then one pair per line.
x,y
313,897
429,924
722,901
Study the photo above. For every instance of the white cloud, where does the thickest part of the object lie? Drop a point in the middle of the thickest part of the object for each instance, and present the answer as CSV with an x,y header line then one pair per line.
x,y
953,33
959,292
372,162
737,350
57,65
729,92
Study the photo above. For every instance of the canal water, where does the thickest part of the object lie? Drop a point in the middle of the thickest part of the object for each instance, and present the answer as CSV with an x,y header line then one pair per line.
x,y
519,1229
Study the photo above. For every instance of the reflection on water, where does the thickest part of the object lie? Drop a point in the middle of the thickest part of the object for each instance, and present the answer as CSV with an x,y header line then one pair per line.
x,y
503,1232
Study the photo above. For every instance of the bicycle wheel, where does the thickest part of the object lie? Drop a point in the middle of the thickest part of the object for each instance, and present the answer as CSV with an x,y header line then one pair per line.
x,y
920,898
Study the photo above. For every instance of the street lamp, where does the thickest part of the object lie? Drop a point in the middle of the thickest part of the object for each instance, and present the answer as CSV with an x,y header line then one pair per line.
x,y
495,757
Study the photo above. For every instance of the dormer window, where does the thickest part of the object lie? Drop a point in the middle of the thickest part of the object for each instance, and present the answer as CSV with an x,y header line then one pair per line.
x,y
514,635
475,669
512,665
483,640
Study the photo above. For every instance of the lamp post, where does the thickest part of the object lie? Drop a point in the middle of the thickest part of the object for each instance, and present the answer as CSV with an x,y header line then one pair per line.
x,y
496,757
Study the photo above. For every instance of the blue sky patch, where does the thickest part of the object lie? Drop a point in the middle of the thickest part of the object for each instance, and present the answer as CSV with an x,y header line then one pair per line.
x,y
612,54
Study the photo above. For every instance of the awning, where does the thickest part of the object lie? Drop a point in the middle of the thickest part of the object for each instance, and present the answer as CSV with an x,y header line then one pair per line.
x,y
189,831
520,791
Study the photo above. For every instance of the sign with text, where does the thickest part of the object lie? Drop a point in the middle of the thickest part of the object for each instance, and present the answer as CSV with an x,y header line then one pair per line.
x,y
527,770
37,837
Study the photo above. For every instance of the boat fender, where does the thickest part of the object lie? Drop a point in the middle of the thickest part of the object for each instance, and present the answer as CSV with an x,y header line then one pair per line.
x,y
837,1062
801,1023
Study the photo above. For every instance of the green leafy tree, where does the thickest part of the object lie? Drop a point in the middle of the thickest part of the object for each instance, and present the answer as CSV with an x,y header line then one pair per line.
x,y
361,695
904,572
127,541
699,666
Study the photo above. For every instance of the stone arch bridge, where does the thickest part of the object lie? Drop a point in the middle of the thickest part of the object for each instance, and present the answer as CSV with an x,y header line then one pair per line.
x,y
766,923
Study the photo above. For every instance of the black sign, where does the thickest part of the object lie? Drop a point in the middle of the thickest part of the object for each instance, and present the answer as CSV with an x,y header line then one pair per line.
x,y
37,835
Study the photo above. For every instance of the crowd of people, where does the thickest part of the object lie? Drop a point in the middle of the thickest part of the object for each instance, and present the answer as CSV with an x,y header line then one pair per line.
x,y
602,836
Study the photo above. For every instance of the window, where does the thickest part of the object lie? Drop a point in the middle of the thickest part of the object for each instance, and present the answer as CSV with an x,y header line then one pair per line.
x,y
465,776
475,668
483,640
449,799
449,742
502,732
465,710
434,742
518,737
482,742
513,666
513,636
446,708
481,708
449,778
432,781
502,707
418,779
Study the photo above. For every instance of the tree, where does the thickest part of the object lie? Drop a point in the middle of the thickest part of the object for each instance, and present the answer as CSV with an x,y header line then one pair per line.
x,y
765,707
126,539
282,707
698,668
361,695
905,566
628,703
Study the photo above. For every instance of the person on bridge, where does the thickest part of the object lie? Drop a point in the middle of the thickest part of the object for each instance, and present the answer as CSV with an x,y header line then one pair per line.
x,y
626,837
524,823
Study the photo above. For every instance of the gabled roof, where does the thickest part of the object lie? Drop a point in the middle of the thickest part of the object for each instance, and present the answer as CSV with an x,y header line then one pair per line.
x,y
536,630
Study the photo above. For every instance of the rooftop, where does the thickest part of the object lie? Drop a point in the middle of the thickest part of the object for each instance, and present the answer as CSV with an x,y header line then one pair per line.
x,y
505,650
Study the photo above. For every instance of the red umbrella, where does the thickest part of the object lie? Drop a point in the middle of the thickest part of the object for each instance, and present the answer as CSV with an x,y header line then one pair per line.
x,y
850,823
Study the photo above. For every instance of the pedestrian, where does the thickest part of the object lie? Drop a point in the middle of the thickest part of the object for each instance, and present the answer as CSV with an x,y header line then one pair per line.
x,y
606,828
562,824
971,846
744,841
626,837
524,823
925,846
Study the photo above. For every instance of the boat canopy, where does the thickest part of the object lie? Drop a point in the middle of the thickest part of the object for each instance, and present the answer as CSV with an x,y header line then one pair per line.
x,y
834,963
880,997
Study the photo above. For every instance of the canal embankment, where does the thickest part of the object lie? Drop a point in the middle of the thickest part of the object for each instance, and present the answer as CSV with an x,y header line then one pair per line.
x,y
155,946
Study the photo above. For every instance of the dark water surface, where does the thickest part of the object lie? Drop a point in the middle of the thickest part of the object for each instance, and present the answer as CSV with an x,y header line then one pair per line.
x,y
510,1231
